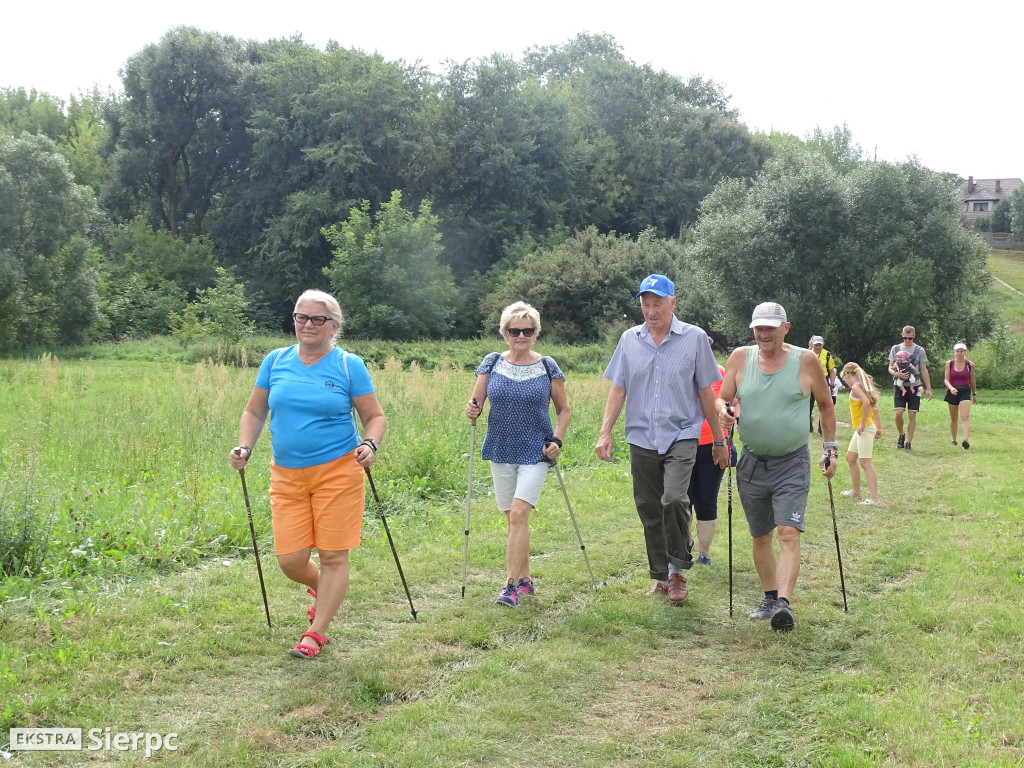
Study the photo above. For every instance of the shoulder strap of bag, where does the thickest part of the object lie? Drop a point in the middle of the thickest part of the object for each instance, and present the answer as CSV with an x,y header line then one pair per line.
x,y
280,352
348,378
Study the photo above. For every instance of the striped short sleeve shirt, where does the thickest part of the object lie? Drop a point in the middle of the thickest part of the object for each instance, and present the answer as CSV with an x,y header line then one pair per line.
x,y
662,382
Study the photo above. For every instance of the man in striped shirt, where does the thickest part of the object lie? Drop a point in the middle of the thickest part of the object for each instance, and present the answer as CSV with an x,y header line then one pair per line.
x,y
662,371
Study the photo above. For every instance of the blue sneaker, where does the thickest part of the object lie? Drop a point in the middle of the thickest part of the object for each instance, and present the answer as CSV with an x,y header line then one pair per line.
x,y
703,560
509,595
524,587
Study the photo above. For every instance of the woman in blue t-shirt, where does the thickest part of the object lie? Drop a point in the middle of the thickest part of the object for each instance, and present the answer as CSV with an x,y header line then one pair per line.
x,y
520,443
317,486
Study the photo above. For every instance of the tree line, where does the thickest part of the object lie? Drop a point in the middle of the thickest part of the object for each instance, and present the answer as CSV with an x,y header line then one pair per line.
x,y
227,176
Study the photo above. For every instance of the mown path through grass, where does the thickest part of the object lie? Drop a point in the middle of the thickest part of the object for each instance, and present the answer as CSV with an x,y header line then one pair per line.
x,y
926,669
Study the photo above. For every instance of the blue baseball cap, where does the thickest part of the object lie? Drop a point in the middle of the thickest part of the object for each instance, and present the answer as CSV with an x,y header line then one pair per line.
x,y
659,285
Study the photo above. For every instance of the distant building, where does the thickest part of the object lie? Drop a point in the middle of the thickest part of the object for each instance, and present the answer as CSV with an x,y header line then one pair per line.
x,y
979,197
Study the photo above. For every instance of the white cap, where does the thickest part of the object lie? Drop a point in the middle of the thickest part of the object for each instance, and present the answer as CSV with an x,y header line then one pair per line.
x,y
768,313
817,340
960,345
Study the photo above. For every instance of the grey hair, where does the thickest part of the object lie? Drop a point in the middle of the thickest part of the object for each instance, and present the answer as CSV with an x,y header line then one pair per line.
x,y
330,304
516,311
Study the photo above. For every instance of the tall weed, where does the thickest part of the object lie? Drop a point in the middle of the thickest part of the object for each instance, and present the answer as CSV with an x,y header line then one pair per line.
x,y
999,360
27,515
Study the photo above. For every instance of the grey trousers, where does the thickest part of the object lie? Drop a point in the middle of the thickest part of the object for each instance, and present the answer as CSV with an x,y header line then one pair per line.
x,y
660,482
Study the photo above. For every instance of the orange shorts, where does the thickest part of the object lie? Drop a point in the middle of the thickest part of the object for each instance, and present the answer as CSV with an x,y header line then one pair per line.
x,y
319,506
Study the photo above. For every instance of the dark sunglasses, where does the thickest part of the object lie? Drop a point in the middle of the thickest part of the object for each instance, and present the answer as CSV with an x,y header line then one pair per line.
x,y
908,338
527,332
317,320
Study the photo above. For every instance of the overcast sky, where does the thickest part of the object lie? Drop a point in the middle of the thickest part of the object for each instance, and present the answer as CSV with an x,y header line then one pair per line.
x,y
935,80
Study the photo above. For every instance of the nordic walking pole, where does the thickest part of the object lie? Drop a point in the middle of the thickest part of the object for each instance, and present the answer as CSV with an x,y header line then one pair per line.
x,y
387,530
558,474
255,549
469,498
730,520
835,530
728,408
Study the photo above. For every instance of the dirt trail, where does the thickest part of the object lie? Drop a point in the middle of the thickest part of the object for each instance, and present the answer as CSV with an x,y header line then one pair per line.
x,y
1007,285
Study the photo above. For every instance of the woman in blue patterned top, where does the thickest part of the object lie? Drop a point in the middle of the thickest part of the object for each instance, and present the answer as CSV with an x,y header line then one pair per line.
x,y
520,443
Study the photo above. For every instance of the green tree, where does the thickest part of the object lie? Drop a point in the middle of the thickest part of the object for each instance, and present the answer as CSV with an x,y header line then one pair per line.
x,y
837,146
135,249
32,112
387,270
1016,212
221,311
85,138
179,132
146,276
585,286
507,169
329,129
649,146
47,277
853,256
1001,217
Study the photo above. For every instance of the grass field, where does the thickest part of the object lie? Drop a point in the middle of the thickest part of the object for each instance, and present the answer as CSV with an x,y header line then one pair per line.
x,y
1008,266
148,616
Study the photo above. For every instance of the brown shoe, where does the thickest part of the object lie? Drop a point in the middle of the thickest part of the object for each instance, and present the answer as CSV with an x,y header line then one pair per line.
x,y
658,589
677,590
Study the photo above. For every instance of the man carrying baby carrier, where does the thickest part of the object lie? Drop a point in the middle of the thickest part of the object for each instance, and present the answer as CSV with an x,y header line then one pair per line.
x,y
902,399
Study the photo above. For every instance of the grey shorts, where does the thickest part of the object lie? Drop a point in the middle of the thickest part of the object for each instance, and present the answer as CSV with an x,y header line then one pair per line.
x,y
773,489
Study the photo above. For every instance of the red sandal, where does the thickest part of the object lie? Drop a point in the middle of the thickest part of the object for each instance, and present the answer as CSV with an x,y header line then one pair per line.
x,y
312,609
301,651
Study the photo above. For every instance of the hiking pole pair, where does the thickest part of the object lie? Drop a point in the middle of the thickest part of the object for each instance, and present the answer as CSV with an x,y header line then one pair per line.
x,y
256,551
469,497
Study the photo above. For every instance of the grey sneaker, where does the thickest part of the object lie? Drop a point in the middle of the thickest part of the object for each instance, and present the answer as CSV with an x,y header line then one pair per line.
x,y
703,560
782,617
764,610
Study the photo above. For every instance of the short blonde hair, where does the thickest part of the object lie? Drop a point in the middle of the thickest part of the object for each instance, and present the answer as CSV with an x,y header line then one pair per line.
x,y
518,311
330,304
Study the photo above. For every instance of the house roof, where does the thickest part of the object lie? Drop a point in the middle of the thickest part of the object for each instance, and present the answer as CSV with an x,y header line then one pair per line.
x,y
985,189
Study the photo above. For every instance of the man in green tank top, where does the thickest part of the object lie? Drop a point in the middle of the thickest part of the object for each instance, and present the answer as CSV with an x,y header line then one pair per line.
x,y
767,384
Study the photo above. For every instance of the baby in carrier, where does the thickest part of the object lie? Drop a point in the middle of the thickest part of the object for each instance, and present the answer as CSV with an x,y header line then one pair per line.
x,y
911,386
